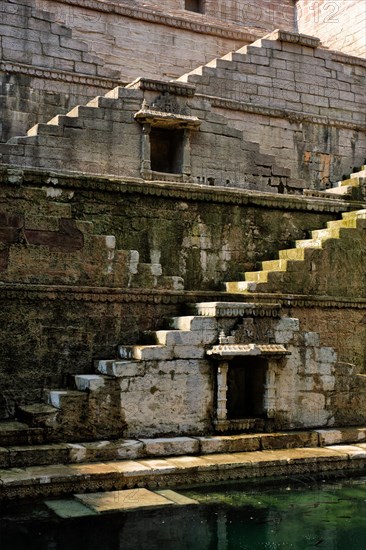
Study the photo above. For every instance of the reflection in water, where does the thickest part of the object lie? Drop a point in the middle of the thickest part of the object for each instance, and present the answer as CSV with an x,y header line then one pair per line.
x,y
232,516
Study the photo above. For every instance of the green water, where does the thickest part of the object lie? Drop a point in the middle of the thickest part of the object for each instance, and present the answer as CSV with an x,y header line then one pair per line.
x,y
298,515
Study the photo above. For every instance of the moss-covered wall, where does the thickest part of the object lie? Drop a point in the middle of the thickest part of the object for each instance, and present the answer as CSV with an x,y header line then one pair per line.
x,y
69,295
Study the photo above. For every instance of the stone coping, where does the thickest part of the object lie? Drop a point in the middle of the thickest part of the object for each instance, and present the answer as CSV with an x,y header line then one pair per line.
x,y
172,87
59,479
33,177
275,112
28,291
59,75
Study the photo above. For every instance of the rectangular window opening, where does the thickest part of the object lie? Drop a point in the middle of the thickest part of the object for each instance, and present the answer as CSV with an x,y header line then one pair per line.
x,y
195,5
166,150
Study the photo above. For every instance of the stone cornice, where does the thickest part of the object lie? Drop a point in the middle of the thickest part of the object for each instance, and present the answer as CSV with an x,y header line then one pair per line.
x,y
189,22
63,76
292,116
32,177
294,38
30,292
173,87
306,301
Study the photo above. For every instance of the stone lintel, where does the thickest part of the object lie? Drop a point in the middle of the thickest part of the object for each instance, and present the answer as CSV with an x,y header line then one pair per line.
x,y
294,38
228,351
175,88
166,120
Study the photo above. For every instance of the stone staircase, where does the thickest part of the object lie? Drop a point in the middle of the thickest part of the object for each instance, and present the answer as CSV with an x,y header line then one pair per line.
x,y
352,188
298,270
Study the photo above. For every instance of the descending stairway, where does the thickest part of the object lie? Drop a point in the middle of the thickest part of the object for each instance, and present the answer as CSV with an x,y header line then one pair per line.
x,y
296,270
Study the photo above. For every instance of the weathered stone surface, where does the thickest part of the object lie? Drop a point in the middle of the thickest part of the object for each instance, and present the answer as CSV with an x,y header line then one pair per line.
x,y
130,499
170,446
229,443
289,440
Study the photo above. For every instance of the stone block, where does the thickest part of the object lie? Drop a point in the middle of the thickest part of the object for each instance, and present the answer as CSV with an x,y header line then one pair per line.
x,y
145,353
188,352
90,382
121,368
121,449
341,435
229,444
4,458
174,446
325,355
312,339
37,455
289,440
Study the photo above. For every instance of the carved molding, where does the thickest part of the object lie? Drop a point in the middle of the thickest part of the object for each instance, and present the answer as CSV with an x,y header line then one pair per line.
x,y
33,177
292,116
63,76
176,88
30,292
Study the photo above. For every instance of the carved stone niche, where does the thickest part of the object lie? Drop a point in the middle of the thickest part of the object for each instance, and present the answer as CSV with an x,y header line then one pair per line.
x,y
166,129
246,385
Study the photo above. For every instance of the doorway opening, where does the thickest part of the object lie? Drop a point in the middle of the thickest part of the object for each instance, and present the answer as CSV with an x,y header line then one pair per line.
x,y
246,385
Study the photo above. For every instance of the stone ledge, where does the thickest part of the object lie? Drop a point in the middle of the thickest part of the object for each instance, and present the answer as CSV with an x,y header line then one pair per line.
x,y
293,38
55,480
122,295
33,177
292,116
63,76
176,88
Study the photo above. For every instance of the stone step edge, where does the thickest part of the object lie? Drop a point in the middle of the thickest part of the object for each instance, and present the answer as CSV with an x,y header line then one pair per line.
x,y
57,480
13,456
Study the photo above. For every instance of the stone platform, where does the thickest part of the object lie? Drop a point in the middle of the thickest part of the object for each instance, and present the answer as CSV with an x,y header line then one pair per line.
x,y
174,462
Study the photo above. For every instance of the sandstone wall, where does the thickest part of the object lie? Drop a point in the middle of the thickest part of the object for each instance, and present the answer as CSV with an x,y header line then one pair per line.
x,y
340,25
302,103
71,293
55,55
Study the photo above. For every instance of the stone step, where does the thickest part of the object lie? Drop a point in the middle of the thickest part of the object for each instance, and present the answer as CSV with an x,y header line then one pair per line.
x,y
282,265
13,432
63,398
90,382
145,353
24,456
256,276
308,243
120,369
193,322
358,214
45,130
62,479
37,415
245,286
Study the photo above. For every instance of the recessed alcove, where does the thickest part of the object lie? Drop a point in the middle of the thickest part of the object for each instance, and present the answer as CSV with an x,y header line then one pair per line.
x,y
166,150
197,6
246,381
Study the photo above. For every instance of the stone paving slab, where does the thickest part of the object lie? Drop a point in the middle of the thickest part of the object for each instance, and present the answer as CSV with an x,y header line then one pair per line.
x,y
69,508
131,499
177,471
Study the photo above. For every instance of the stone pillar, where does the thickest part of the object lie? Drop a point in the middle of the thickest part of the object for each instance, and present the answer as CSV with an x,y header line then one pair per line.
x,y
186,155
270,389
222,390
146,152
